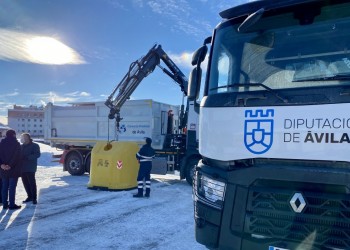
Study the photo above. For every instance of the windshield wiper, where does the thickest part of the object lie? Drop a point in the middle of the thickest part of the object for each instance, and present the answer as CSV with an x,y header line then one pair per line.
x,y
285,100
342,77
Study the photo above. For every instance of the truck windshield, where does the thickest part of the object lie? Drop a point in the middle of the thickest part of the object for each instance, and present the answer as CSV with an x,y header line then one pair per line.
x,y
280,53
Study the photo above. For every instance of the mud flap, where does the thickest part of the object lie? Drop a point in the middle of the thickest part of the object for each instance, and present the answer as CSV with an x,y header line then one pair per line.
x,y
159,165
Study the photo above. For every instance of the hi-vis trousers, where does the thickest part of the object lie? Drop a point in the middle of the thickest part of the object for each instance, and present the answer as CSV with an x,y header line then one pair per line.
x,y
144,177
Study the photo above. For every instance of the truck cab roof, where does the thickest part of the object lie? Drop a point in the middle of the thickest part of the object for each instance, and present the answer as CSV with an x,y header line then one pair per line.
x,y
251,7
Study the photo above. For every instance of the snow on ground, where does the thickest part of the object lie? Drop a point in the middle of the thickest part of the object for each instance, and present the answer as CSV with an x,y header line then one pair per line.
x,y
71,216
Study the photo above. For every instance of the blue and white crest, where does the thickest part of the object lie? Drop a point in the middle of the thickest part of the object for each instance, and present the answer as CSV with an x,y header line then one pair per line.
x,y
122,129
258,130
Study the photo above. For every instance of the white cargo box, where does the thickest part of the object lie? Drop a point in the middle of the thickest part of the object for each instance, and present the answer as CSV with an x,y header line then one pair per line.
x,y
82,124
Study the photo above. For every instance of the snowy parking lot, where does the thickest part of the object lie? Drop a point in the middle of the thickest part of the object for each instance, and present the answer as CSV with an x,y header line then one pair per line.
x,y
71,216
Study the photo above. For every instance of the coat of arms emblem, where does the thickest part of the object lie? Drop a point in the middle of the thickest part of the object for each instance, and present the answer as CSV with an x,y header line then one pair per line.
x,y
258,130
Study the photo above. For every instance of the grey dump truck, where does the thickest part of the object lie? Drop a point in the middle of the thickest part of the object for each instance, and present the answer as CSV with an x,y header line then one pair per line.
x,y
274,128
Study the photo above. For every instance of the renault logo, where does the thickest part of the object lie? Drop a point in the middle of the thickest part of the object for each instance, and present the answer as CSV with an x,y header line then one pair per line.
x,y
297,202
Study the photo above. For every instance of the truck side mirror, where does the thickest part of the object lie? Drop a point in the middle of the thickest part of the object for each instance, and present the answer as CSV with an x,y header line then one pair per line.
x,y
194,83
199,55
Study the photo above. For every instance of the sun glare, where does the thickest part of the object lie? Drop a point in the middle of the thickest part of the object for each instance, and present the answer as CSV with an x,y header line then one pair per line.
x,y
47,50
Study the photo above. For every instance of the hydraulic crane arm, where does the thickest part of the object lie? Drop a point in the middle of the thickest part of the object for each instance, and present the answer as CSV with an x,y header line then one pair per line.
x,y
138,70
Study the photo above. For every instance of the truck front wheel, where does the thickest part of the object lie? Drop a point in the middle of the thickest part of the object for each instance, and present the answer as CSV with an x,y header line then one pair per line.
x,y
190,168
74,163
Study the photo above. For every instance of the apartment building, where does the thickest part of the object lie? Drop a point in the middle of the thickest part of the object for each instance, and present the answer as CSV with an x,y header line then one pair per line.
x,y
27,120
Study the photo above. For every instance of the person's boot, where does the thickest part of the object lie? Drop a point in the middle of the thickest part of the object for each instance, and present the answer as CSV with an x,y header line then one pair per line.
x,y
139,193
27,200
5,205
14,207
148,191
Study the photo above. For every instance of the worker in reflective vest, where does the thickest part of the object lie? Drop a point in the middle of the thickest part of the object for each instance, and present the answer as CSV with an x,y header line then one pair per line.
x,y
145,156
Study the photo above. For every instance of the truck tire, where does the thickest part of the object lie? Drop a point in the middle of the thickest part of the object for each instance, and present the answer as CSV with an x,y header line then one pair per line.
x,y
190,168
74,163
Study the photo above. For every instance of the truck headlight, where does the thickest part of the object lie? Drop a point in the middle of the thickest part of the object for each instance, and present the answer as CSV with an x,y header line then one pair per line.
x,y
211,190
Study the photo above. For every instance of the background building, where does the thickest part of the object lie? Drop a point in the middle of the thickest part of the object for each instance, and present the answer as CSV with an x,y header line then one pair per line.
x,y
27,120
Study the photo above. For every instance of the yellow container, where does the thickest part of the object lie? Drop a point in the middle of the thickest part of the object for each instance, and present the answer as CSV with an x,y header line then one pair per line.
x,y
114,166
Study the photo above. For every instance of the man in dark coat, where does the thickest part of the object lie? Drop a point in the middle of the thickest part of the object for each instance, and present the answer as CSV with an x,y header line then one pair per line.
x,y
10,163
30,155
145,156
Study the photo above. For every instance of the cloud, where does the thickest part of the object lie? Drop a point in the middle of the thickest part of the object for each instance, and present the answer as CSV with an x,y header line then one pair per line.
x,y
185,15
43,103
156,7
5,106
116,4
138,3
55,97
184,60
101,53
181,12
34,48
221,5
15,93
5,96
52,97
85,94
172,8
78,94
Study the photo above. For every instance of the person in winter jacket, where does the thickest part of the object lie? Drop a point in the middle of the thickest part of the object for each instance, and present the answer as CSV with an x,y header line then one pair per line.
x,y
145,156
10,168
30,155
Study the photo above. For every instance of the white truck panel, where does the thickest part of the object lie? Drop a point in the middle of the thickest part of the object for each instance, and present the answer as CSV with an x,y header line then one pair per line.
x,y
82,124
311,132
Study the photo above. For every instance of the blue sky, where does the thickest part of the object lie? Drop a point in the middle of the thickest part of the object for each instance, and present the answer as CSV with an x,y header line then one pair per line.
x,y
102,38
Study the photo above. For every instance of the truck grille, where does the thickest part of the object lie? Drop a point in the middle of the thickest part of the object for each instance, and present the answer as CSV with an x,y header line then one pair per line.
x,y
325,220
